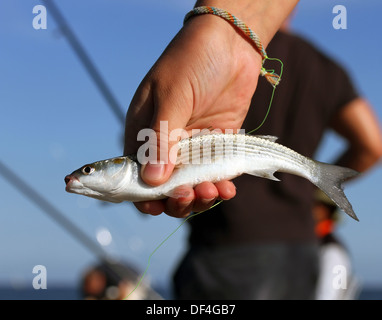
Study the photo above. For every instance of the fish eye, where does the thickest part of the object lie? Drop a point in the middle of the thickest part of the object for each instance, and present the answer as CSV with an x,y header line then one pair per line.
x,y
87,170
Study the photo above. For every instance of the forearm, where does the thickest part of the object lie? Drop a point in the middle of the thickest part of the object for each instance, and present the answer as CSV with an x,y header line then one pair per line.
x,y
358,158
264,17
358,124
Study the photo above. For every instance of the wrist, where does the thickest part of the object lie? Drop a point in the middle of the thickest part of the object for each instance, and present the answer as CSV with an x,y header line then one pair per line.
x,y
244,30
217,30
264,17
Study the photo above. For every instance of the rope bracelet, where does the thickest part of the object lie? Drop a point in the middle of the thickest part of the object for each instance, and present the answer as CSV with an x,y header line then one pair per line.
x,y
270,75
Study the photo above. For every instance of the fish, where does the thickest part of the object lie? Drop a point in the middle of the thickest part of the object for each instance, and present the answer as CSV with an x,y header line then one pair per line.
x,y
209,157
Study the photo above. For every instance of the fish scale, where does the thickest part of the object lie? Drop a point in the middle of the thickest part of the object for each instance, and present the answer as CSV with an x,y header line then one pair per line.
x,y
245,144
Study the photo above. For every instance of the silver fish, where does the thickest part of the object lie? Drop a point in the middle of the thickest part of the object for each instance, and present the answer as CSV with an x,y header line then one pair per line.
x,y
210,157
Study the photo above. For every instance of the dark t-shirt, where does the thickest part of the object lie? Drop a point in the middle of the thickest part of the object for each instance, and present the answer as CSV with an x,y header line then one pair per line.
x,y
312,90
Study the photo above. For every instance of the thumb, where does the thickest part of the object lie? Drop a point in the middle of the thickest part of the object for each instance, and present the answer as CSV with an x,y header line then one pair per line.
x,y
169,126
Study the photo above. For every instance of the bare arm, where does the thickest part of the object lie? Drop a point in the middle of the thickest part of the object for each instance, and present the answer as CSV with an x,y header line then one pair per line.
x,y
263,17
357,123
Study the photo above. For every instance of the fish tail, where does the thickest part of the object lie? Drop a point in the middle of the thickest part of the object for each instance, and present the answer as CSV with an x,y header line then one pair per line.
x,y
329,180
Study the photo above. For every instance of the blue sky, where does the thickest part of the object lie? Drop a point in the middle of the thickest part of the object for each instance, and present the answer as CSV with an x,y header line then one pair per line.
x,y
53,120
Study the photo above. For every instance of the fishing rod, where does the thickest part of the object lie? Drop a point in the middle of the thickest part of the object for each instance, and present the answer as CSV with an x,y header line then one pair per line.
x,y
115,270
59,217
86,61
117,110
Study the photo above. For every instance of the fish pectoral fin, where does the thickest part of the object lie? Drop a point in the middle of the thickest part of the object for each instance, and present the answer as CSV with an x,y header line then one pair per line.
x,y
268,174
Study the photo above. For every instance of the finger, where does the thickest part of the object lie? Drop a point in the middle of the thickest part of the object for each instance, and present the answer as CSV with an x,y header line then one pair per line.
x,y
138,117
159,113
226,189
206,193
173,105
182,206
151,207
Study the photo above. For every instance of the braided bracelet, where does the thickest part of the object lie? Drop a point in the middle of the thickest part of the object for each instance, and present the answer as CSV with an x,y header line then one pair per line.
x,y
270,75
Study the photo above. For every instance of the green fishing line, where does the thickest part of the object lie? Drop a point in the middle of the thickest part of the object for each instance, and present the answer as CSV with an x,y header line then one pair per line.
x,y
177,228
271,71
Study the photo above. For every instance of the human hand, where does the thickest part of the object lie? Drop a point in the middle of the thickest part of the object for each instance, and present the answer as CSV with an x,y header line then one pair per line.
x,y
205,78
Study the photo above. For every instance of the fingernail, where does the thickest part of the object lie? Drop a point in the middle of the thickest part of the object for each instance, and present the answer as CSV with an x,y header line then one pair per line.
x,y
154,172
206,201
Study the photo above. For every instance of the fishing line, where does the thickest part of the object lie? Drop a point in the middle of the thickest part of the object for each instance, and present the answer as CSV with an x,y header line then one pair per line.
x,y
272,77
263,71
168,237
270,71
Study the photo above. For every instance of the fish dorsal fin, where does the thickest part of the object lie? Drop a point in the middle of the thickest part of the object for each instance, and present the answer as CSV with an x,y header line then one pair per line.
x,y
267,137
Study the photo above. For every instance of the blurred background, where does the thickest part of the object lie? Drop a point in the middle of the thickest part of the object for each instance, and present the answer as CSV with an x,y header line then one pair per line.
x,y
64,92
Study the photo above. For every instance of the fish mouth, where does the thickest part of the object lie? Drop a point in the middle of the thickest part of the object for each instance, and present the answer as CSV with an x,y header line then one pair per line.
x,y
72,183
